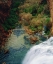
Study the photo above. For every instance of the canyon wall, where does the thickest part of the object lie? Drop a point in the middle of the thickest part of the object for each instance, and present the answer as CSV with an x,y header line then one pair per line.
x,y
4,13
50,3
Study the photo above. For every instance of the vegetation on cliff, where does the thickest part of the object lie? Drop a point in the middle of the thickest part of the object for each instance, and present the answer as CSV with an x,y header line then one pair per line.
x,y
12,19
39,13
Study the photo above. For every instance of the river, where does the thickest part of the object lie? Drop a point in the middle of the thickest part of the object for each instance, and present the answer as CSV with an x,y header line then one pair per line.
x,y
18,45
40,54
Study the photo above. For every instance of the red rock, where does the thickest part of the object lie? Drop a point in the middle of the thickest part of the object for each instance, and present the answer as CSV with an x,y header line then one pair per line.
x,y
33,39
4,10
4,13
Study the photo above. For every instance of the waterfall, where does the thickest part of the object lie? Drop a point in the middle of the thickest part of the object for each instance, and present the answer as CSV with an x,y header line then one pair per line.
x,y
40,54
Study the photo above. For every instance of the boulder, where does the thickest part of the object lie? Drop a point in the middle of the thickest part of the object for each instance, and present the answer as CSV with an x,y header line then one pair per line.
x,y
33,39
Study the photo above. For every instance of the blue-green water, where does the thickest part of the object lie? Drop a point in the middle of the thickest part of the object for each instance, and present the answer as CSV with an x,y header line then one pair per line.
x,y
14,56
18,45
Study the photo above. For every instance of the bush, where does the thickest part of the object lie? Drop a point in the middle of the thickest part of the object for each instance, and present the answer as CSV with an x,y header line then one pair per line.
x,y
40,28
32,28
32,9
15,4
40,9
47,20
11,21
48,26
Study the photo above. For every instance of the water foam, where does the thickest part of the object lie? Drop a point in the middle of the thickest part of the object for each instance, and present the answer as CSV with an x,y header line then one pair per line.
x,y
40,54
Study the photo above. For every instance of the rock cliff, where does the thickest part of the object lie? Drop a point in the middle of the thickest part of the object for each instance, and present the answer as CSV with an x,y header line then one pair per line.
x,y
4,13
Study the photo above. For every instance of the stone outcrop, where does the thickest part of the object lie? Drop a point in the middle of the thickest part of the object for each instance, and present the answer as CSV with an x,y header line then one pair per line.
x,y
33,39
50,3
4,13
3,36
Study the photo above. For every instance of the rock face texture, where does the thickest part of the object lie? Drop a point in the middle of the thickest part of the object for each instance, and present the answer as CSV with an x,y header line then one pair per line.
x,y
33,39
50,3
4,13
4,10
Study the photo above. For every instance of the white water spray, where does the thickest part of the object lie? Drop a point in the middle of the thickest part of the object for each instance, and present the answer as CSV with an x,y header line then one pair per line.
x,y
40,54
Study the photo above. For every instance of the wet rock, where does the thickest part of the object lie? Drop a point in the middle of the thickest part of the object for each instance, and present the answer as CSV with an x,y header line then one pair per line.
x,y
43,38
26,38
33,39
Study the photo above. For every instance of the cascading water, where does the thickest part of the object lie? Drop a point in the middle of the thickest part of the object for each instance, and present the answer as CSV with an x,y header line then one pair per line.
x,y
40,54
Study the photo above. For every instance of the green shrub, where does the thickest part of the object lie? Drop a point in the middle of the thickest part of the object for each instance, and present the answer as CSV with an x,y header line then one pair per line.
x,y
29,9
47,12
48,32
40,9
15,4
32,9
40,28
11,21
47,20
33,28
